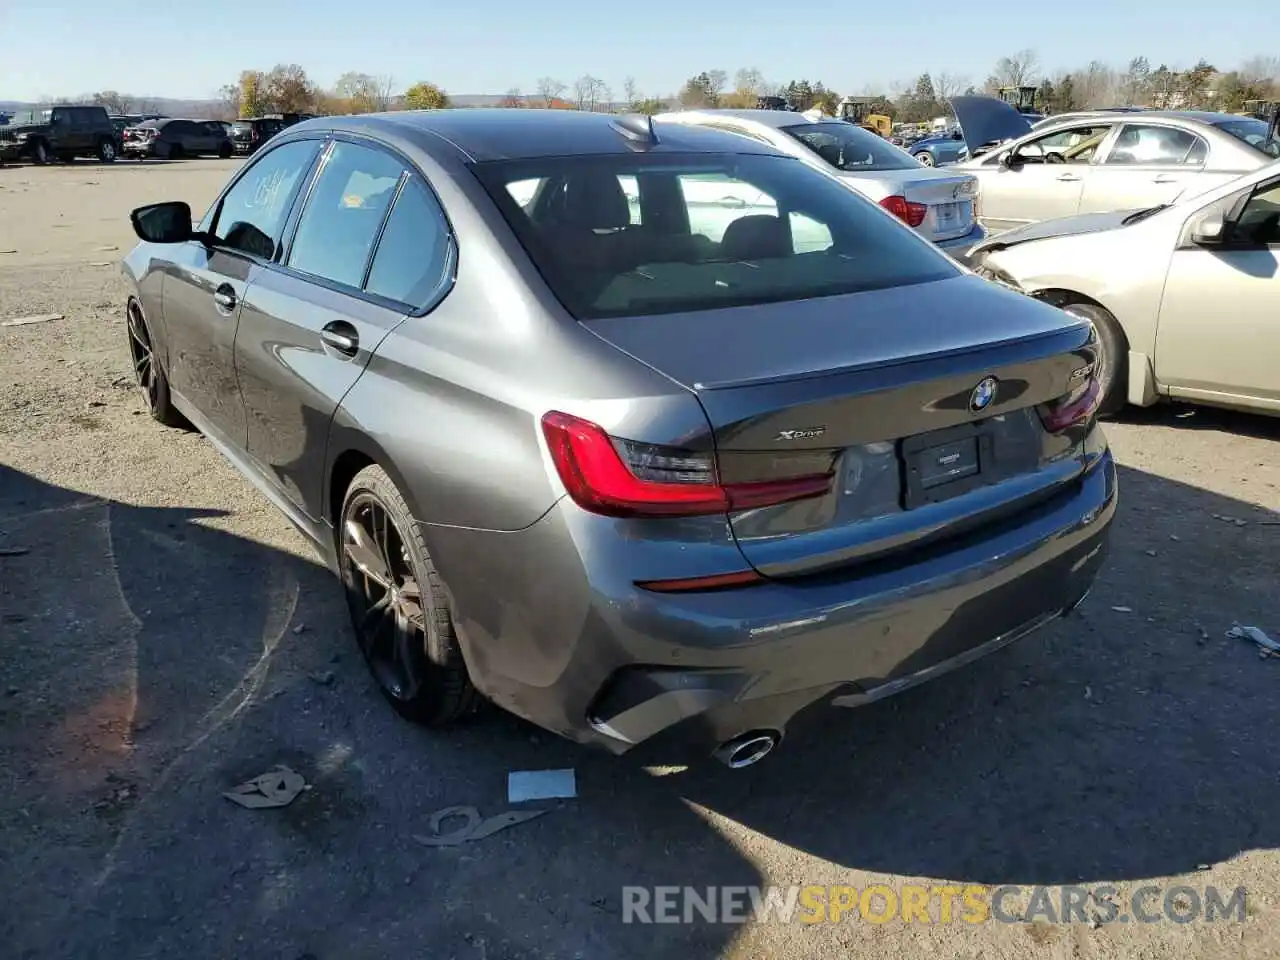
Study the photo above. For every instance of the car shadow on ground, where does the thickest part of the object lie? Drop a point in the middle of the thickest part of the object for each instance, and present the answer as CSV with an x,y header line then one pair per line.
x,y
152,660
1187,417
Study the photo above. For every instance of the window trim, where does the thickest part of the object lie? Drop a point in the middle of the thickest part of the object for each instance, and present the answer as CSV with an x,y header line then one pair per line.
x,y
213,242
1102,149
1120,127
409,170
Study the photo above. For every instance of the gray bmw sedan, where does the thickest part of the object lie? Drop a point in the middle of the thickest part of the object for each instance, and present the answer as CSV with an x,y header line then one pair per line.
x,y
636,430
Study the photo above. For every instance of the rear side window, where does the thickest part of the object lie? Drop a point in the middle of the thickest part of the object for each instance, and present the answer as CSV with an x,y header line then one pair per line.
x,y
1141,144
344,213
253,212
630,235
849,147
413,253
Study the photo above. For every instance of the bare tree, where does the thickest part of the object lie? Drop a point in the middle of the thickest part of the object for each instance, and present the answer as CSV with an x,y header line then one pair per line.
x,y
719,80
1019,70
749,82
947,85
630,92
512,99
383,91
1259,70
550,90
589,92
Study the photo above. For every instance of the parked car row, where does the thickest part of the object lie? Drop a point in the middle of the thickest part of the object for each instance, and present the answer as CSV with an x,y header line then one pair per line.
x,y
65,132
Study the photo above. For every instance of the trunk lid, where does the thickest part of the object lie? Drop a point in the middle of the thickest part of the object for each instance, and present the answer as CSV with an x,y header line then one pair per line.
x,y
883,389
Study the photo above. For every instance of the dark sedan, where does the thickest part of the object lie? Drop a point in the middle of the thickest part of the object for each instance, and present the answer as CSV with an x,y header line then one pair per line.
x,y
176,139
580,438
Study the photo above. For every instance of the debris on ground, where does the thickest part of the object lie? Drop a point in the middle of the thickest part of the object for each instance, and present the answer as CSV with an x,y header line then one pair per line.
x,y
275,788
1256,636
1088,692
1225,519
14,551
99,263
474,829
300,628
1123,609
8,251
38,318
324,678
523,785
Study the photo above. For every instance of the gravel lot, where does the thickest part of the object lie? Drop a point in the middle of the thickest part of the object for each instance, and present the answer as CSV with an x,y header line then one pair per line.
x,y
167,635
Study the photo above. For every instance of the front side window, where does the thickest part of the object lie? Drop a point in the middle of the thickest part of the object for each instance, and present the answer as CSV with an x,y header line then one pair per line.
x,y
846,146
350,199
253,212
1073,145
714,231
1259,221
1144,144
413,254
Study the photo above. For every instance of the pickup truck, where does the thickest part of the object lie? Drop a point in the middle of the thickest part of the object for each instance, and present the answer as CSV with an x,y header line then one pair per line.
x,y
61,132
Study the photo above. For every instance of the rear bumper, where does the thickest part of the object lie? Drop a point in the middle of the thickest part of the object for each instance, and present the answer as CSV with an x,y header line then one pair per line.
x,y
959,247
134,149
580,650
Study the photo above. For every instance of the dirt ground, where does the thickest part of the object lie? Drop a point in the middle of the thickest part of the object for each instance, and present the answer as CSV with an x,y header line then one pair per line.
x,y
165,635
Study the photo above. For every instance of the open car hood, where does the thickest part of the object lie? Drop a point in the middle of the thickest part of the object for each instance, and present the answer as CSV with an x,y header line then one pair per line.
x,y
987,120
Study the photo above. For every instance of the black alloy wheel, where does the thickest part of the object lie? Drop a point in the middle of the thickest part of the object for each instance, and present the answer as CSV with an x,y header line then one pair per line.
x,y
148,373
397,607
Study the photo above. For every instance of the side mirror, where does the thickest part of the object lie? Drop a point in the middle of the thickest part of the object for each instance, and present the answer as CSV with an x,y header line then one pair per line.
x,y
1209,231
163,222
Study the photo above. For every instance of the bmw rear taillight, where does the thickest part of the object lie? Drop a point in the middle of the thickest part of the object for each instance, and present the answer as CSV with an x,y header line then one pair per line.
x,y
622,478
1072,409
912,214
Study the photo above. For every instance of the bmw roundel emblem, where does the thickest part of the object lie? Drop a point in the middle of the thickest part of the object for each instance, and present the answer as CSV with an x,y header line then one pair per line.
x,y
983,394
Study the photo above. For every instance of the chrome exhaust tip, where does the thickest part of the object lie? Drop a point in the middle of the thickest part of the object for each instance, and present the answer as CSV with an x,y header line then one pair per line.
x,y
746,749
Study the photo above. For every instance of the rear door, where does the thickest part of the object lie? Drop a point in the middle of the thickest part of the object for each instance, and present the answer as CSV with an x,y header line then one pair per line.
x,y
1045,178
1144,165
205,289
370,245
1219,329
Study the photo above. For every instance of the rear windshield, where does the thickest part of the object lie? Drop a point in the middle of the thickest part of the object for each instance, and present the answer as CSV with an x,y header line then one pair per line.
x,y
1252,132
628,235
849,147
242,127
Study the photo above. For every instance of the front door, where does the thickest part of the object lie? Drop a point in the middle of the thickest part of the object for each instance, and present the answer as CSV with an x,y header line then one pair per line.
x,y
1219,330
1044,176
311,325
203,295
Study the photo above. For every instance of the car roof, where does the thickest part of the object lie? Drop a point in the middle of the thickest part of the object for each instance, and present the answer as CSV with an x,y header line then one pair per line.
x,y
777,119
484,134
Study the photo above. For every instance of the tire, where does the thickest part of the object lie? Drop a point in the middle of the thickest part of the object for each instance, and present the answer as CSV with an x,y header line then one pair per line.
x,y
1113,357
107,152
429,684
224,151
40,153
925,158
152,381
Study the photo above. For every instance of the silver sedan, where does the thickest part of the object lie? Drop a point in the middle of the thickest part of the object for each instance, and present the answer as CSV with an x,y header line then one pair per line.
x,y
1103,162
939,204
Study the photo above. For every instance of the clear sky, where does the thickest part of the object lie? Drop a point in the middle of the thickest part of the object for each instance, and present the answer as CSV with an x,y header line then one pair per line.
x,y
184,49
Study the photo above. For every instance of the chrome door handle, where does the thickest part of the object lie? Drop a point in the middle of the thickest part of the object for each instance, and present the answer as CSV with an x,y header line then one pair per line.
x,y
225,298
1166,179
342,337
1068,178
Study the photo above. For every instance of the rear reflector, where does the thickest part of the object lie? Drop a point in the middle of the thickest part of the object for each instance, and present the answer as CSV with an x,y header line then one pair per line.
x,y
719,581
622,478
912,214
